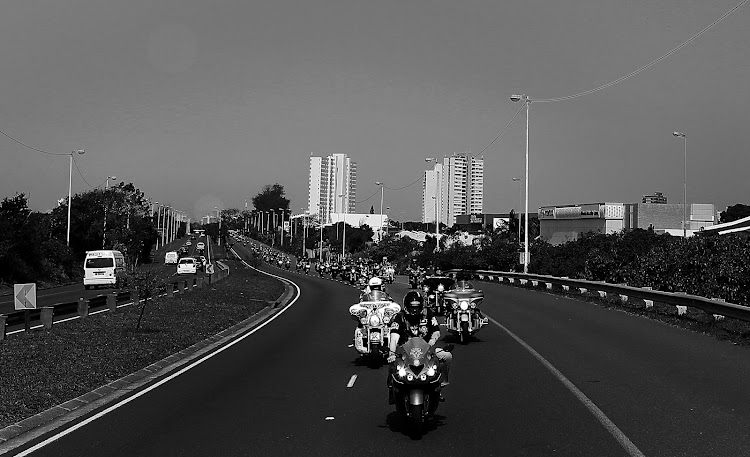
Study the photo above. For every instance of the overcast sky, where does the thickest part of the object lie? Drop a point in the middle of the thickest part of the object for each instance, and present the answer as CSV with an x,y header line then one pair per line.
x,y
201,103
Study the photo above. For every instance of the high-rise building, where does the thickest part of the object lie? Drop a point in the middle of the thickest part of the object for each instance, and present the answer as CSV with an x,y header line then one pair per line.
x,y
432,193
332,186
461,189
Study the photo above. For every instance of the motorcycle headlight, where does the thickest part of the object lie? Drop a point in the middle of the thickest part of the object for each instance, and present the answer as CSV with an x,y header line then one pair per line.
x,y
464,304
455,305
426,288
431,297
431,371
473,305
363,320
401,370
440,288
374,320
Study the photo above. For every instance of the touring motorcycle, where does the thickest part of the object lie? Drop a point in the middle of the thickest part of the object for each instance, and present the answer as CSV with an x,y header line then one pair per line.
x,y
462,314
434,288
373,315
415,383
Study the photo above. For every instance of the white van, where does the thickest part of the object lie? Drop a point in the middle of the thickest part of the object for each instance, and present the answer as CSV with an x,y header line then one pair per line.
x,y
171,257
103,268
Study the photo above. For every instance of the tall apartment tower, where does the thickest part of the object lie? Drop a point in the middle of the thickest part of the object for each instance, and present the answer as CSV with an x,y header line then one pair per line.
x,y
332,186
460,190
432,195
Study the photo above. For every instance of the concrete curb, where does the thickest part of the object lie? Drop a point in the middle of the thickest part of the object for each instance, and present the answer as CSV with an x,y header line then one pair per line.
x,y
20,433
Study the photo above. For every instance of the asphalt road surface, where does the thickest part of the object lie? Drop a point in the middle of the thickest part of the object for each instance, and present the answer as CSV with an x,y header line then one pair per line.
x,y
548,376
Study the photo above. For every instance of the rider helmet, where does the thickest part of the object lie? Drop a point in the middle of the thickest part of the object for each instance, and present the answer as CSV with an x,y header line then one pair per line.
x,y
413,303
375,283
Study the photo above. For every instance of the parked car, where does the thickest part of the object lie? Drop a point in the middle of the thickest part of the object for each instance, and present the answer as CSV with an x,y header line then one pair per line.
x,y
200,246
187,265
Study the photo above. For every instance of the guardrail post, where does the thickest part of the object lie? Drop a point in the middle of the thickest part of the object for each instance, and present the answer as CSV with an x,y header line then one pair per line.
x,y
180,286
566,288
3,317
681,310
512,280
602,294
199,282
187,285
112,301
136,295
170,289
46,317
549,285
83,307
534,283
648,303
523,281
719,317
623,298
582,290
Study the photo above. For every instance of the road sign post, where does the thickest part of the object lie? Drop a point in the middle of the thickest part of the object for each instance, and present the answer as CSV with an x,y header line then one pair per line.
x,y
24,296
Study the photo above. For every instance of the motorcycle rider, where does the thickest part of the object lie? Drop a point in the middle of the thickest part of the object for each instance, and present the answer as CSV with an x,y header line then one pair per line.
x,y
374,290
417,320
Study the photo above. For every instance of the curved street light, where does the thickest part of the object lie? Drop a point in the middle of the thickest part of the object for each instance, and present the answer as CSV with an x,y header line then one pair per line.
x,y
104,232
517,98
684,186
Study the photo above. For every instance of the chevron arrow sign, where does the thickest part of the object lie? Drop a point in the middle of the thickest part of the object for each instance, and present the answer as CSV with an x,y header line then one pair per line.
x,y
25,296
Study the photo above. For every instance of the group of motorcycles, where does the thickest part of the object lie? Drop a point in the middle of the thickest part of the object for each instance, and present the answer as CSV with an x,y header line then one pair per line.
x,y
415,376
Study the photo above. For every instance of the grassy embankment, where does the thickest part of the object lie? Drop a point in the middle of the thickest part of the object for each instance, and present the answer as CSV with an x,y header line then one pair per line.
x,y
41,369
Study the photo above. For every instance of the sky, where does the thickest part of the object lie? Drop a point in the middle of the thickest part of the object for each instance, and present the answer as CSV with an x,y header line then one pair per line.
x,y
200,104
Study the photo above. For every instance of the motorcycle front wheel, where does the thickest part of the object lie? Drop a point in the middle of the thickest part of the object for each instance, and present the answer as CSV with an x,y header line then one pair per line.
x,y
416,421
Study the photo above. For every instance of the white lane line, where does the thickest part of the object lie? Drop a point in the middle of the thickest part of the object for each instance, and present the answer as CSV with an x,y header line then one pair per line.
x,y
352,380
75,427
624,441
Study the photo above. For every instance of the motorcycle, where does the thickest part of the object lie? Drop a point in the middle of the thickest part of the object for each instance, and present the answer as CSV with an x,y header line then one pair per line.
x,y
390,274
373,330
307,268
415,383
334,271
463,317
415,279
434,288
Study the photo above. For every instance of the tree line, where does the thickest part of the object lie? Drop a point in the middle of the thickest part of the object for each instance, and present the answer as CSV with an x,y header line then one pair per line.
x,y
34,248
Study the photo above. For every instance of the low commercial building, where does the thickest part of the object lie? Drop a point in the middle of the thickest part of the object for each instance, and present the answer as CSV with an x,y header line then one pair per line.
x,y
560,224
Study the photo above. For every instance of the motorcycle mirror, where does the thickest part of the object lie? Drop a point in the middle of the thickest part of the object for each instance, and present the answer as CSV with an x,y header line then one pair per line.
x,y
449,347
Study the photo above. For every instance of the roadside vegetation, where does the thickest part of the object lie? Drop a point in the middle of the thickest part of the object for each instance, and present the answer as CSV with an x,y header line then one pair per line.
x,y
41,369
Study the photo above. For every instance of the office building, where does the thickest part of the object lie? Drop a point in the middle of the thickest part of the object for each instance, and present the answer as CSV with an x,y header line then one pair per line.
x,y
332,186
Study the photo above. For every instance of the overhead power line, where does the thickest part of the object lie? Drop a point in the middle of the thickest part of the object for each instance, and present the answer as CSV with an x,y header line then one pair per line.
x,y
645,67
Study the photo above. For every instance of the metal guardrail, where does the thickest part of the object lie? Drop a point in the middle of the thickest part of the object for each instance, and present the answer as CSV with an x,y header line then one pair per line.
x,y
717,307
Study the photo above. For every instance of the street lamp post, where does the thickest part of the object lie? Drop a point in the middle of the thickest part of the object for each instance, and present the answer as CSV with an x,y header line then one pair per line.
x,y
158,223
281,213
320,248
684,186
519,207
437,230
516,98
382,190
70,188
106,189
343,237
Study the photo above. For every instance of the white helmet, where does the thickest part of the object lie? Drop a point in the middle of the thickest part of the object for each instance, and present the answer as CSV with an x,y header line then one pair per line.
x,y
375,283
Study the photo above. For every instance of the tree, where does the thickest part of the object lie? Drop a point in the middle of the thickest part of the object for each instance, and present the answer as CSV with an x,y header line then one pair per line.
x,y
271,198
734,213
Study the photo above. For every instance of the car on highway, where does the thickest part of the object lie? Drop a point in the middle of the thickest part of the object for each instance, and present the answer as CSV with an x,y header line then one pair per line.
x,y
187,265
103,268
171,257
200,246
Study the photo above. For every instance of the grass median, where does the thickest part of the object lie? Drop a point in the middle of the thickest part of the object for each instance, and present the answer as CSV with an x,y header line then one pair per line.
x,y
41,369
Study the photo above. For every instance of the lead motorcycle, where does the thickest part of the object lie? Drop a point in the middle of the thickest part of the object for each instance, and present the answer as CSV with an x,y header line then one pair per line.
x,y
415,383
462,315
373,314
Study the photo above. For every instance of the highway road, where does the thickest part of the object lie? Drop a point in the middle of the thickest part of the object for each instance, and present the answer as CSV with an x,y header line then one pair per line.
x,y
549,376
72,292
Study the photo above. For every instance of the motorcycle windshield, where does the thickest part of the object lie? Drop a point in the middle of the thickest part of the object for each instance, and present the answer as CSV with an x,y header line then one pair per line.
x,y
433,281
416,352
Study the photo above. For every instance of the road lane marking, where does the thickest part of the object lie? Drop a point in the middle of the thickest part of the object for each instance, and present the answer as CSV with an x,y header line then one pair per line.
x,y
618,435
108,410
352,380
